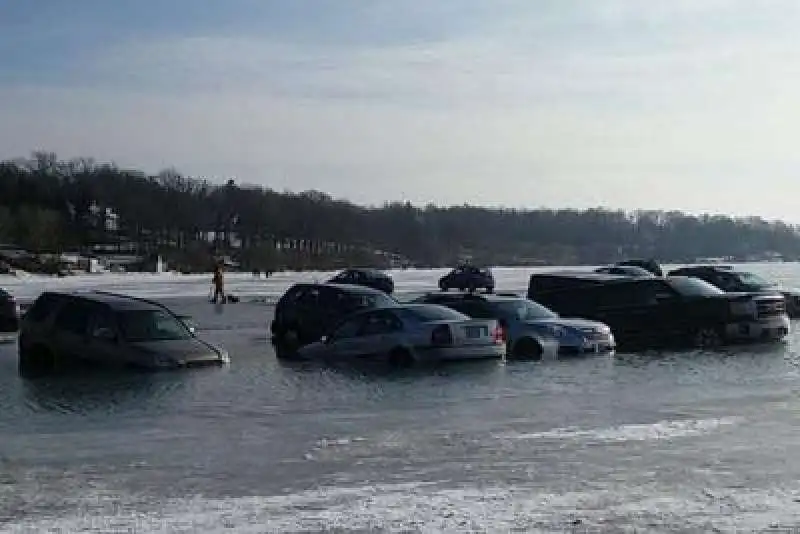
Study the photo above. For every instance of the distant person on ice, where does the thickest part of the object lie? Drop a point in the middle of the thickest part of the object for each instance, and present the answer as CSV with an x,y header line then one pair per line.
x,y
218,281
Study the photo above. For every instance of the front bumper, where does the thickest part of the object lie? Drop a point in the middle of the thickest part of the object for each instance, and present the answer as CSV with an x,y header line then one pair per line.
x,y
598,344
771,329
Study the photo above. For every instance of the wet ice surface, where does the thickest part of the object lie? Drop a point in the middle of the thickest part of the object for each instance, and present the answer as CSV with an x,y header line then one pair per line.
x,y
670,441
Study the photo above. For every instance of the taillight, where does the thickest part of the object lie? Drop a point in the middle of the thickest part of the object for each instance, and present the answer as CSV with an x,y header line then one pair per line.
x,y
499,335
442,335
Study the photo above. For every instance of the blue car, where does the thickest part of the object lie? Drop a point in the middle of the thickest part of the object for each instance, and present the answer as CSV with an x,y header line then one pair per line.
x,y
530,328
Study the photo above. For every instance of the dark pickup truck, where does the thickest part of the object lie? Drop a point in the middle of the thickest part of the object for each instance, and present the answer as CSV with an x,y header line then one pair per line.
x,y
736,280
660,312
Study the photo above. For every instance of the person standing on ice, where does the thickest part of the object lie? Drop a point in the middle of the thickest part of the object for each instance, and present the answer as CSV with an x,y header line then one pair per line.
x,y
218,281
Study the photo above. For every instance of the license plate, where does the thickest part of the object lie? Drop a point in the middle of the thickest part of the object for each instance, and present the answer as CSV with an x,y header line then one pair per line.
x,y
475,332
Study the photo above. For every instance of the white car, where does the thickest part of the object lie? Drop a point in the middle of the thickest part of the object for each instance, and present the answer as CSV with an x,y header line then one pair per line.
x,y
409,333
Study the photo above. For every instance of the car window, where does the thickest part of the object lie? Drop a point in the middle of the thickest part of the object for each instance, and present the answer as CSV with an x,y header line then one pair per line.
x,y
693,287
308,296
477,309
347,329
523,310
754,281
382,322
151,325
431,312
73,317
100,320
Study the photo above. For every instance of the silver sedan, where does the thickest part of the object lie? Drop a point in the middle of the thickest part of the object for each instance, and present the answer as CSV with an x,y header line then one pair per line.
x,y
409,333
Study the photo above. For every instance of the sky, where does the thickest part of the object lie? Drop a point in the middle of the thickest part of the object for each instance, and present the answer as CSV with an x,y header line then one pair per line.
x,y
691,105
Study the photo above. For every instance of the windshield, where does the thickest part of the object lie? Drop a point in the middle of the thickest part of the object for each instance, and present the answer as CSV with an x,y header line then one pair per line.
x,y
754,281
151,325
693,287
370,300
524,310
433,312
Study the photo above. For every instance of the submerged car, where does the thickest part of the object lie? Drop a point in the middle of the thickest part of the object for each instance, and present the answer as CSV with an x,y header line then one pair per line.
x,y
365,277
664,311
529,327
735,280
410,333
62,330
307,311
468,278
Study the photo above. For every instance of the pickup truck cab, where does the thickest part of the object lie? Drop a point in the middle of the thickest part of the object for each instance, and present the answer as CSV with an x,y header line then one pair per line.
x,y
737,280
669,311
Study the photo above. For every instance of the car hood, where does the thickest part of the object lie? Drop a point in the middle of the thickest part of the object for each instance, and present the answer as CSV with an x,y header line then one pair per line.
x,y
191,349
570,322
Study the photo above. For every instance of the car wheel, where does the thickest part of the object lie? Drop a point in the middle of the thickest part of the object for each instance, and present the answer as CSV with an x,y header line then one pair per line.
x,y
707,338
400,358
527,349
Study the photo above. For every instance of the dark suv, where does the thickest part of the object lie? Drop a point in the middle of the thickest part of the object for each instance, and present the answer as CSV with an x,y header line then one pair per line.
x,y
365,277
306,312
731,279
9,312
674,310
64,330
468,278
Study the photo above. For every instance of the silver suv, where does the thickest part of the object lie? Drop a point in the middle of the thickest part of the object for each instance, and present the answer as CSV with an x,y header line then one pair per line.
x,y
64,330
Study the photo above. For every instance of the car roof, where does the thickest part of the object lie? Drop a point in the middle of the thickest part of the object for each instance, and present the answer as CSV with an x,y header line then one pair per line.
x,y
489,297
112,300
348,288
585,275
726,268
366,270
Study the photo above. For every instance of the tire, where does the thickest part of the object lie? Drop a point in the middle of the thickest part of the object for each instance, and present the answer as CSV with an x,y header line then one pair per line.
x,y
707,338
527,349
400,358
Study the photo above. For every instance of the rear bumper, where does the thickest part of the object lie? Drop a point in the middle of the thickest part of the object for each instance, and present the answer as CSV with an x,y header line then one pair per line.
x,y
475,352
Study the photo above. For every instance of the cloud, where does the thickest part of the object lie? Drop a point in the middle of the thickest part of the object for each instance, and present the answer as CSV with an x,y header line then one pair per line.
x,y
681,105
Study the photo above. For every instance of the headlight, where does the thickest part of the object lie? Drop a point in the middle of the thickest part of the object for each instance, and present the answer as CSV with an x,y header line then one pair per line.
x,y
224,356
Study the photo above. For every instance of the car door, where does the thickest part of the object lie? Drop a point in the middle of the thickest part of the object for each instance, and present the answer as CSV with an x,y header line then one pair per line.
x,y
103,344
70,332
623,307
343,342
380,332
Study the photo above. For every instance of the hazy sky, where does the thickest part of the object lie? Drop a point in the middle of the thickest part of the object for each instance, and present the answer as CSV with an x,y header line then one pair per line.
x,y
684,104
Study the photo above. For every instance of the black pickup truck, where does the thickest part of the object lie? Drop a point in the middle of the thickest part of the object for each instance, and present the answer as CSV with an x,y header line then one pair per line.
x,y
660,312
736,280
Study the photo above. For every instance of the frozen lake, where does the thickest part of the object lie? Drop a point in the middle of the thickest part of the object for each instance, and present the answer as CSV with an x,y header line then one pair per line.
x,y
661,442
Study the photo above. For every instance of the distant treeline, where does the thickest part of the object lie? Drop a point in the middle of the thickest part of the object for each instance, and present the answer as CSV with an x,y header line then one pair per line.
x,y
52,205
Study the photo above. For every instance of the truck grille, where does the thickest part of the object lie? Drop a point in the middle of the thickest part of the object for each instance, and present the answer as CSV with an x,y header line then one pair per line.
x,y
770,308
